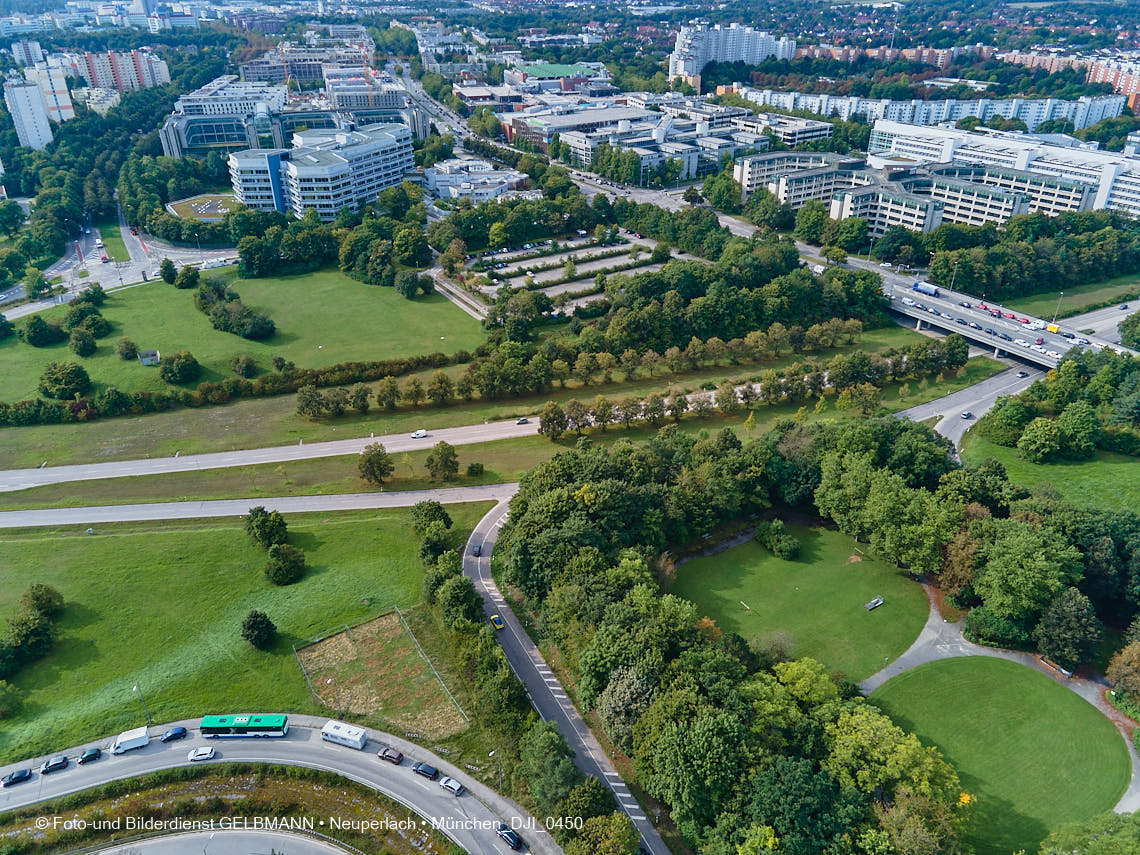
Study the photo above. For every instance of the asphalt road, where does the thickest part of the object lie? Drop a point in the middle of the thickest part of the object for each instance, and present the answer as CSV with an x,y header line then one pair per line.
x,y
1105,323
226,843
546,693
976,399
469,819
21,479
240,507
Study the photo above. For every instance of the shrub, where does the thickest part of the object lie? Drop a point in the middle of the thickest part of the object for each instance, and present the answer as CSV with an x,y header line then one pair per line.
x,y
259,630
127,349
187,278
447,566
82,342
474,470
243,365
10,699
459,602
79,313
39,333
772,536
44,599
984,627
6,328
266,528
179,369
93,294
286,564
426,512
64,381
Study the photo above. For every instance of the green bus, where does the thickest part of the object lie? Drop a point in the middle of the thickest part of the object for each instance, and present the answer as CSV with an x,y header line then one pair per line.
x,y
244,724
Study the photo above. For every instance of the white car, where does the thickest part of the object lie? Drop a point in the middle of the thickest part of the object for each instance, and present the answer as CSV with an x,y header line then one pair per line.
x,y
202,752
907,301
1053,353
886,265
420,434
452,785
1039,348
1020,342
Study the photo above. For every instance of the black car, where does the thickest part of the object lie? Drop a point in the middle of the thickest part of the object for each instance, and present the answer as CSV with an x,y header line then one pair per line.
x,y
1022,373
429,772
990,331
509,837
1005,337
963,322
55,764
173,734
965,304
89,756
17,777
975,326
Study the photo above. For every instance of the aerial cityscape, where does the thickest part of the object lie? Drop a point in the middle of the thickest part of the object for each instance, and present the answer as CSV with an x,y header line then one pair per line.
x,y
574,428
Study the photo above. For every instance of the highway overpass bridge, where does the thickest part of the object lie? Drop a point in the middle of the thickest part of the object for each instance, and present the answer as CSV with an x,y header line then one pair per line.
x,y
991,325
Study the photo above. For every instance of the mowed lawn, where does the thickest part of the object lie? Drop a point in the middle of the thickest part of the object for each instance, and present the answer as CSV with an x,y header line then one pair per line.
x,y
162,604
113,242
322,318
1033,753
1106,481
1079,297
817,600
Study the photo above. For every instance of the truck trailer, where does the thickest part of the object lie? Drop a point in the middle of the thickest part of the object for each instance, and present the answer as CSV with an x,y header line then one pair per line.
x,y
925,288
130,739
344,734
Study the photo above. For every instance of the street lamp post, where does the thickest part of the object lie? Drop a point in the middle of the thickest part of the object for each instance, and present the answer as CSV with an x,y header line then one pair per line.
x,y
199,248
495,754
143,699
1057,310
954,275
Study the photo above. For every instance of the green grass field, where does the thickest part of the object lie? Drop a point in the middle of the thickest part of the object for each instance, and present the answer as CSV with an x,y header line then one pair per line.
x,y
113,242
1107,481
1078,298
185,207
817,600
162,604
1033,753
322,318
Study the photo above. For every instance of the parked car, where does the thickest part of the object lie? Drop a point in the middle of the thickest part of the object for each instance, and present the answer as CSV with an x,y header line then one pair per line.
x,y
202,752
17,777
509,837
391,755
55,764
419,434
497,622
429,772
90,755
452,785
173,734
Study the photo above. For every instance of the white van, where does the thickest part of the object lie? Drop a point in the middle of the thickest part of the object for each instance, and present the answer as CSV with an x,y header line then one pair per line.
x,y
344,734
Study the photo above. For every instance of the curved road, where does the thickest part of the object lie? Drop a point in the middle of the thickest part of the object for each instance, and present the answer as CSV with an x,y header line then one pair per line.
x,y
468,819
21,479
546,693
976,399
226,843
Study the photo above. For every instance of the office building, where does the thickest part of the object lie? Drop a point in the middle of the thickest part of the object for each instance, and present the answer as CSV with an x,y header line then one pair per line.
x,y
557,77
26,105
226,95
52,82
27,53
361,88
698,44
1082,112
305,64
477,180
324,171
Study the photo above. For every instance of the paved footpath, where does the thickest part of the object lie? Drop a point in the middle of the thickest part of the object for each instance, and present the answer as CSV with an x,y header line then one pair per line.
x,y
941,639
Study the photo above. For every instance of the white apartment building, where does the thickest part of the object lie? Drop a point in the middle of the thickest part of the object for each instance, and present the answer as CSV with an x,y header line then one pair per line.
x,y
227,96
325,171
1082,113
698,44
29,114
53,87
27,53
1113,178
99,100
477,180
790,130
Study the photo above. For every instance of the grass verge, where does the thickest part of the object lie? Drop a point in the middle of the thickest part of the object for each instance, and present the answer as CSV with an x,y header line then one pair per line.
x,y
1081,298
113,242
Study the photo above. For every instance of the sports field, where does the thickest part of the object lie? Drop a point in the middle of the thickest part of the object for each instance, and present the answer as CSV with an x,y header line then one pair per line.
x,y
815,601
1034,754
162,604
322,318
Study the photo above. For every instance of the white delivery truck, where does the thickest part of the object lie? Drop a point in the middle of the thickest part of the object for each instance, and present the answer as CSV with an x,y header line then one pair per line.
x,y
344,734
130,739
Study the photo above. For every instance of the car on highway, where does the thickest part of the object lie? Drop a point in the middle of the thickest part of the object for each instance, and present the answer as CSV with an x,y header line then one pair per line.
x,y
1123,306
1009,315
982,306
202,752
451,785
429,772
886,265
391,755
921,307
173,734
962,321
1039,340
990,331
89,755
17,777
497,622
1005,336
55,764
1037,347
419,434
509,837
1083,340
967,415
1053,353
1022,373
965,304
975,325
907,301
523,421
477,549
1020,342
1068,335
1023,320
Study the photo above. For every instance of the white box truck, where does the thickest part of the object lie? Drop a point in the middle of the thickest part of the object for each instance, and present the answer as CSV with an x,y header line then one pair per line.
x,y
344,734
130,739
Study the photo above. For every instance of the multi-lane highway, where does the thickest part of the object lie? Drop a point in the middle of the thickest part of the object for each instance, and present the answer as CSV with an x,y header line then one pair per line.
x,y
958,411
546,693
469,820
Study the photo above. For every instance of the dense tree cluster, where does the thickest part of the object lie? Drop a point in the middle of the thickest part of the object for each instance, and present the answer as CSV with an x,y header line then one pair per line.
x,y
31,631
227,313
147,183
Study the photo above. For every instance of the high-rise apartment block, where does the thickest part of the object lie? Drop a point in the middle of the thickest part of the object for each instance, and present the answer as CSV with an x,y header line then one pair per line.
x,y
698,44
123,72
27,53
52,81
26,104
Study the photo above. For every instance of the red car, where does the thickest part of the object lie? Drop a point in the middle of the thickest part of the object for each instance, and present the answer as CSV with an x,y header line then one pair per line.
x,y
1023,320
982,306
134,231
391,755
1009,315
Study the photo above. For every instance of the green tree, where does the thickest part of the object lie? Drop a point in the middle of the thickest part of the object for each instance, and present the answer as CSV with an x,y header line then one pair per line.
x,y
411,247
64,381
265,528
11,699
498,236
1123,670
388,393
358,398
188,278
613,834
243,365
433,542
375,464
39,333
459,602
1107,834
440,389
413,391
167,271
425,513
834,254
548,765
259,630
811,221
180,368
552,422
35,286
1040,441
442,462
1069,632
286,564
1079,429
44,599
126,349
1023,569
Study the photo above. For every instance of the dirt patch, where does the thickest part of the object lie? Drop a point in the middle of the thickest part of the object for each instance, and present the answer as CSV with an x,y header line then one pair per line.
x,y
375,671
854,559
